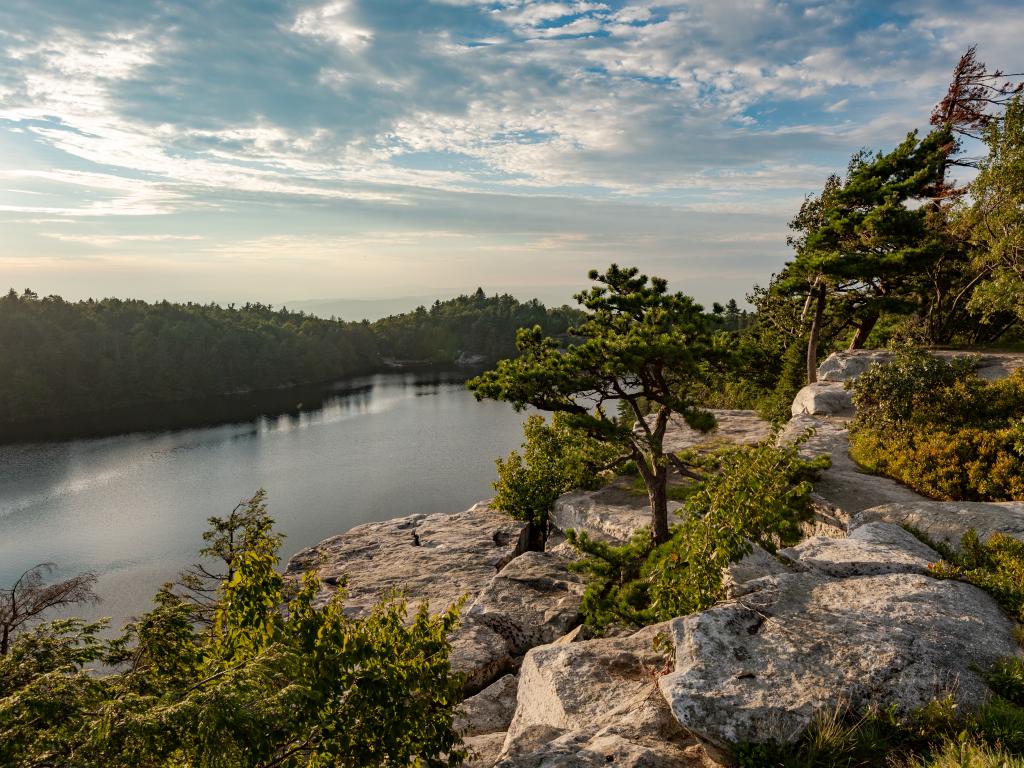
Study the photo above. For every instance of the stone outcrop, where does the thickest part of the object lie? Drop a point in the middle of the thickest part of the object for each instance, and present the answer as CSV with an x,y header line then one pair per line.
x,y
532,601
440,559
760,668
489,711
843,488
948,521
873,549
732,428
823,398
843,366
436,558
611,514
596,702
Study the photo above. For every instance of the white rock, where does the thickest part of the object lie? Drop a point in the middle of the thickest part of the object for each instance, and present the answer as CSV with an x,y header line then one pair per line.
x,y
732,428
532,601
843,486
823,398
489,711
760,669
870,550
948,521
456,555
595,702
611,514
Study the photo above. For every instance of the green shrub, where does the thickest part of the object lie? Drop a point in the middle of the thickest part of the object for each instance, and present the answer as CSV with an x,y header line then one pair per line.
x,y
749,495
933,425
966,464
996,566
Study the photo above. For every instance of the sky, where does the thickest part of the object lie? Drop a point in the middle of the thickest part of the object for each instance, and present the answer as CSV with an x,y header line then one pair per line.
x,y
282,150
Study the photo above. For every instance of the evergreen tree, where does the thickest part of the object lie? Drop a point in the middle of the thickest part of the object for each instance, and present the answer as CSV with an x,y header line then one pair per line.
x,y
640,345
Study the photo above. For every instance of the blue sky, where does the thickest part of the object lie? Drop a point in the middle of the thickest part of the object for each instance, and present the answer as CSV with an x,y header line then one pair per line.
x,y
290,149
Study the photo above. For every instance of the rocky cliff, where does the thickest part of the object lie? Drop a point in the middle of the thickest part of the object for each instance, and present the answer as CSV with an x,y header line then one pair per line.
x,y
849,616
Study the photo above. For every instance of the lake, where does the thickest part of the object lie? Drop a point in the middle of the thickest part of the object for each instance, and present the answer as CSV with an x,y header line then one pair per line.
x,y
132,508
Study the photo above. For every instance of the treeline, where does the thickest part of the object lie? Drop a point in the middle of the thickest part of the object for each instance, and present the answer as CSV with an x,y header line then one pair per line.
x,y
63,358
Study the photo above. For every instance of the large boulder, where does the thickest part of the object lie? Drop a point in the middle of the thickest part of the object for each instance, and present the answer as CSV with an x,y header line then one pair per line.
x,y
761,668
593,703
437,559
532,601
948,521
823,398
869,550
489,711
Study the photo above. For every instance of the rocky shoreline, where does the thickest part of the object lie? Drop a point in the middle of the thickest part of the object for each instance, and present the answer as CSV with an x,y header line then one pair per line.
x,y
847,617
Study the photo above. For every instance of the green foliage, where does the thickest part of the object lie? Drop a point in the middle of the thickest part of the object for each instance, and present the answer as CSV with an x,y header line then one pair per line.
x,y
996,565
273,682
556,458
935,426
64,359
638,344
992,219
937,735
749,495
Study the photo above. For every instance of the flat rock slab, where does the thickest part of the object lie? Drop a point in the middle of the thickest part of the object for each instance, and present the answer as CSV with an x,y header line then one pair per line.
x,y
457,554
843,366
761,668
733,428
611,514
843,486
870,550
595,702
948,521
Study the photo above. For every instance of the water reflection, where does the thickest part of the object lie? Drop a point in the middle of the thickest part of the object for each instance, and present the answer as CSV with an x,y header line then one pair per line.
x,y
133,507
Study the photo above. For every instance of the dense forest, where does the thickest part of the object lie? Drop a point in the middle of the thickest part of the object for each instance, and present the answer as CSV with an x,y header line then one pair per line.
x,y
63,358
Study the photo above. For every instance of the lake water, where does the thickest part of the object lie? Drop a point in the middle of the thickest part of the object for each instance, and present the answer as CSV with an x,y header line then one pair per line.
x,y
132,508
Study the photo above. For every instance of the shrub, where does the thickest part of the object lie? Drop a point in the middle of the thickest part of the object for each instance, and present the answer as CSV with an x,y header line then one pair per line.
x,y
933,425
996,566
749,495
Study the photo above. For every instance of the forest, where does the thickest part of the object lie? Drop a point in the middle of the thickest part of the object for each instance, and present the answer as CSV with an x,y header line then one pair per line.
x,y
65,358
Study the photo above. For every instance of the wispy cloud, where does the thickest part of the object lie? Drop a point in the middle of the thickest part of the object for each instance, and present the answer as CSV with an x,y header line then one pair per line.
x,y
350,116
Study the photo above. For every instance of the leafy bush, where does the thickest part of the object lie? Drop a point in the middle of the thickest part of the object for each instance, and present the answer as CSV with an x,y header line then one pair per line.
x,y
272,681
749,495
996,566
933,425
556,458
966,464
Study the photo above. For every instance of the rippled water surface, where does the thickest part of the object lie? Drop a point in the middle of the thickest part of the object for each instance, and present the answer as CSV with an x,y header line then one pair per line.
x,y
132,508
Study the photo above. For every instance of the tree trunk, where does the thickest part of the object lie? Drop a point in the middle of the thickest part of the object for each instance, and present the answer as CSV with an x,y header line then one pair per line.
x,y
863,331
657,492
531,539
812,341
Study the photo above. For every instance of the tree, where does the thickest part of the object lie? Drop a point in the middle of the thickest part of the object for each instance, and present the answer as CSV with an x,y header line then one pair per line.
x,y
31,597
642,346
274,682
865,239
993,219
556,458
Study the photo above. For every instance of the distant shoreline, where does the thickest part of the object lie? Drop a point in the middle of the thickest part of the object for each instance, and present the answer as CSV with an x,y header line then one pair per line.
x,y
211,411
